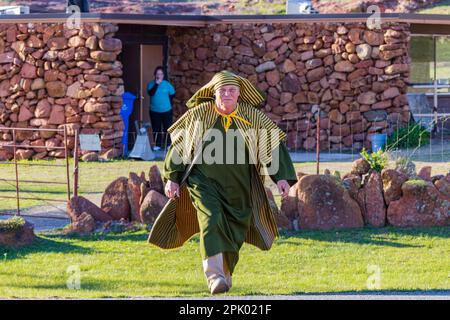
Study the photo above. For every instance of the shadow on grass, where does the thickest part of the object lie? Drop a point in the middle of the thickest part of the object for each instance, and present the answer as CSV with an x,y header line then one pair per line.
x,y
111,288
126,236
388,236
41,245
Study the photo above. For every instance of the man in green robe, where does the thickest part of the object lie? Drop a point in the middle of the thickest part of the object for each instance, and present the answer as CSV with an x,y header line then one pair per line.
x,y
214,172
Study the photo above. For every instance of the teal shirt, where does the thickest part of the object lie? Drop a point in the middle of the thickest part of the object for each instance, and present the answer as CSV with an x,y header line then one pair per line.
x,y
160,102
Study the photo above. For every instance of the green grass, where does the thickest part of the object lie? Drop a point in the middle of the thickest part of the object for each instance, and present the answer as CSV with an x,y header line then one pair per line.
x,y
442,7
94,177
125,265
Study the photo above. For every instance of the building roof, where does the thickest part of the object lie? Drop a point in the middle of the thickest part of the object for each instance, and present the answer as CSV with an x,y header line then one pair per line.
x,y
204,20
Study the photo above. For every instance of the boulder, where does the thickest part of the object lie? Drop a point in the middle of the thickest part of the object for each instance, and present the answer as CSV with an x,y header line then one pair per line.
x,y
151,206
375,213
421,205
115,200
78,204
16,232
90,157
325,204
155,180
84,224
360,167
392,184
134,195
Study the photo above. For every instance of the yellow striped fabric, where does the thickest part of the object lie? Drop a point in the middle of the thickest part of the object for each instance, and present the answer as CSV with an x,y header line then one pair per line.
x,y
177,221
248,94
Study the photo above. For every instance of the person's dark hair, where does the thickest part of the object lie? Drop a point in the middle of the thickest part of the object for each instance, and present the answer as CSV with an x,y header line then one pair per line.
x,y
159,68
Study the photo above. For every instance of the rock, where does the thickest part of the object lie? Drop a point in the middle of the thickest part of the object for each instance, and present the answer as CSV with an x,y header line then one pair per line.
x,y
155,180
110,44
390,93
290,83
375,213
421,205
392,184
57,115
360,167
24,154
396,68
352,182
83,225
273,77
364,51
56,89
115,200
73,90
224,52
43,109
325,204
367,98
90,157
57,43
315,75
78,204
134,195
374,38
28,71
25,114
16,232
375,115
443,185
266,66
110,154
425,173
344,66
103,55
151,206
37,84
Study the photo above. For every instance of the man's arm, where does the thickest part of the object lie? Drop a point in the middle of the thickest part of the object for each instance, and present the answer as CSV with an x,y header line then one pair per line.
x,y
286,170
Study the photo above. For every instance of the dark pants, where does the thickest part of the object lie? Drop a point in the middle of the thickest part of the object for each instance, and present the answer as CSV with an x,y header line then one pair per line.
x,y
161,121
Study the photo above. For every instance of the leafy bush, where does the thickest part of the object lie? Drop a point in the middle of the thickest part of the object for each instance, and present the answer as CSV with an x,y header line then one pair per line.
x,y
11,224
377,160
411,136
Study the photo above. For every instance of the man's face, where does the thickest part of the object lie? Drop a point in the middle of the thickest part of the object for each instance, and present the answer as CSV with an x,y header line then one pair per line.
x,y
227,96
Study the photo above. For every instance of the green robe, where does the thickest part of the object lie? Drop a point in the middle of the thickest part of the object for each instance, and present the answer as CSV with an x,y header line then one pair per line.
x,y
221,193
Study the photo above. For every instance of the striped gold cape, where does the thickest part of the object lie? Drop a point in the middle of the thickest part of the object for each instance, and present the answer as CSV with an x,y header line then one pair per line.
x,y
177,221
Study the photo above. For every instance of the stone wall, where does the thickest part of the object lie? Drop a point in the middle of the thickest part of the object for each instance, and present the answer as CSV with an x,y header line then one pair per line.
x,y
356,78
51,76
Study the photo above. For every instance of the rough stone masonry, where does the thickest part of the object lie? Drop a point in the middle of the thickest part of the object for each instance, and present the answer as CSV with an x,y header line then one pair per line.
x,y
51,76
354,77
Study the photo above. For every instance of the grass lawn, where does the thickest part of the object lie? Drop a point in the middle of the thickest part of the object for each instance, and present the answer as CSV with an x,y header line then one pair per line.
x,y
442,7
94,177
125,265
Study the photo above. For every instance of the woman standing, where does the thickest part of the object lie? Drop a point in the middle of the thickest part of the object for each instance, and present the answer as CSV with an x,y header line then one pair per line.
x,y
161,95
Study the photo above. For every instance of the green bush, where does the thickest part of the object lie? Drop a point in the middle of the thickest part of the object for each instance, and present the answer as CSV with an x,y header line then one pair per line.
x,y
377,160
411,136
11,224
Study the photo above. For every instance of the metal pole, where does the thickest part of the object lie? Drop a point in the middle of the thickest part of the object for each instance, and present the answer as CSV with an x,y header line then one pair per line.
x,y
318,143
75,166
66,155
17,172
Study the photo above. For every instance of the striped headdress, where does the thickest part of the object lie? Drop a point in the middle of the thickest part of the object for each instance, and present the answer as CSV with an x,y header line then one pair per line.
x,y
248,92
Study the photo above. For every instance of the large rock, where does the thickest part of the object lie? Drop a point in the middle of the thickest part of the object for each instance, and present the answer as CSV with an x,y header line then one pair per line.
x,y
56,89
155,180
421,205
77,205
115,199
84,224
151,206
325,204
360,166
16,232
375,213
392,184
134,195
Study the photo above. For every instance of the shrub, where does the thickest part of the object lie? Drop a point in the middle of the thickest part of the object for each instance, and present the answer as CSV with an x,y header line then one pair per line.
x,y
12,224
411,136
377,160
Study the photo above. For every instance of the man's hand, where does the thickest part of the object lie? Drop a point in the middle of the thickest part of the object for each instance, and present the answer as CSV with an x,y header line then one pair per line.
x,y
283,188
172,189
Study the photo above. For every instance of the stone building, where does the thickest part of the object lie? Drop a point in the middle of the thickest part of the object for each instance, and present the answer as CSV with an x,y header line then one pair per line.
x,y
356,78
